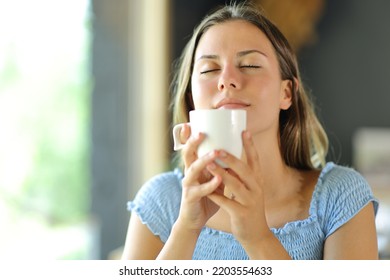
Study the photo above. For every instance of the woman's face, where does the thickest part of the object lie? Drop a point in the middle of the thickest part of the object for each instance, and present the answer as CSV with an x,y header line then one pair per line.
x,y
235,67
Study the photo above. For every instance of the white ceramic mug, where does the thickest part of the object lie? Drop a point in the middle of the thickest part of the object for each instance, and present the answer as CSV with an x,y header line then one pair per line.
x,y
223,129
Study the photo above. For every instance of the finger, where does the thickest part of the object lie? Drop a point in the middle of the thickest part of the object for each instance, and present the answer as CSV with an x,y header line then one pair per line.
x,y
229,205
239,169
189,152
185,133
231,181
194,171
208,187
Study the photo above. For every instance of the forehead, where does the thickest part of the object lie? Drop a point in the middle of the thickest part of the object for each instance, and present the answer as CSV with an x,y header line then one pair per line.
x,y
233,36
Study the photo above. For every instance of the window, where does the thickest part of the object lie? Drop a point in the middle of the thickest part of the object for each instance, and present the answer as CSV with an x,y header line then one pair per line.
x,y
44,128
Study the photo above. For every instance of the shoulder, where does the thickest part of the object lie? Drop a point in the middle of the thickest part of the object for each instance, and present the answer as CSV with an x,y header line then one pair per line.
x,y
336,180
167,183
160,190
157,203
341,192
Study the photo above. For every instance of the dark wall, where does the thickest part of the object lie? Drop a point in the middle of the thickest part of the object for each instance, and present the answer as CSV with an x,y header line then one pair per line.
x,y
348,70
186,14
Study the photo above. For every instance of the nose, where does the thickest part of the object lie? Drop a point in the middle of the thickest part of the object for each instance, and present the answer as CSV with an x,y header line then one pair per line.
x,y
229,79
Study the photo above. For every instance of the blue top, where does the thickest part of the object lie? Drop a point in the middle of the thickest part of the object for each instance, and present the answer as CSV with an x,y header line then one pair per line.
x,y
339,195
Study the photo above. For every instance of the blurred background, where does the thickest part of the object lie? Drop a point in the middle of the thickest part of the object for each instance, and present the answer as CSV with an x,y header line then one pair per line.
x,y
84,118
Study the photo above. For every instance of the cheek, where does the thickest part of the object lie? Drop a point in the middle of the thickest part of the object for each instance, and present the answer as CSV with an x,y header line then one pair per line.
x,y
266,105
269,92
201,93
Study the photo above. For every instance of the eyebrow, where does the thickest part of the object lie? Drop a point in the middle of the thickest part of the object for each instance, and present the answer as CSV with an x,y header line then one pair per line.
x,y
243,53
239,54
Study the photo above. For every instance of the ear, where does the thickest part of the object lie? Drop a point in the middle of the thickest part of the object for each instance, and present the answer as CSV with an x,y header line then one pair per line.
x,y
286,93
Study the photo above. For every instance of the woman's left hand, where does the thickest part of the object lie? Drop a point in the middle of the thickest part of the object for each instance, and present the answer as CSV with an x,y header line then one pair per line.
x,y
246,203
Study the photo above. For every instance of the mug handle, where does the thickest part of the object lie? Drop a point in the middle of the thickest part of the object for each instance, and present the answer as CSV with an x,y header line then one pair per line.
x,y
177,145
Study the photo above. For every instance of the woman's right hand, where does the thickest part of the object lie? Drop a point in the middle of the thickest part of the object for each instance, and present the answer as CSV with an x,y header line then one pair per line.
x,y
197,183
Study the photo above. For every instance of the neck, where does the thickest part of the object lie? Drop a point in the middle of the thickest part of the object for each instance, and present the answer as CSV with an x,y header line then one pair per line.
x,y
274,170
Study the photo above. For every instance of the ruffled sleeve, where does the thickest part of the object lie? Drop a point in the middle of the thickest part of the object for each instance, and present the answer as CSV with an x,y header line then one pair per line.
x,y
343,194
158,202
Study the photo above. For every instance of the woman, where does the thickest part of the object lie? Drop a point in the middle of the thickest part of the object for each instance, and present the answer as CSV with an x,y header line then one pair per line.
x,y
281,200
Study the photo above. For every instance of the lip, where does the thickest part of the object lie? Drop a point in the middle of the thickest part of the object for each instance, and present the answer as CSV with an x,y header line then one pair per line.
x,y
231,103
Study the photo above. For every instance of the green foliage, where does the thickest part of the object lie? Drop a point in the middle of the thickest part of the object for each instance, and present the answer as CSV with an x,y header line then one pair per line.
x,y
57,185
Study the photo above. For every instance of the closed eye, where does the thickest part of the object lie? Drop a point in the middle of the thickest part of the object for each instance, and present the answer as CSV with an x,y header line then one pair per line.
x,y
209,71
250,66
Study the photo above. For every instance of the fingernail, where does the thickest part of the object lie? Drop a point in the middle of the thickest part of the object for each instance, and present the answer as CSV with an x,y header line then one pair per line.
x,y
247,134
222,154
210,155
212,166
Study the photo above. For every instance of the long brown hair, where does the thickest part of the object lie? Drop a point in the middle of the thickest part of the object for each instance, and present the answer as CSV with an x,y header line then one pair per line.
x,y
303,141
